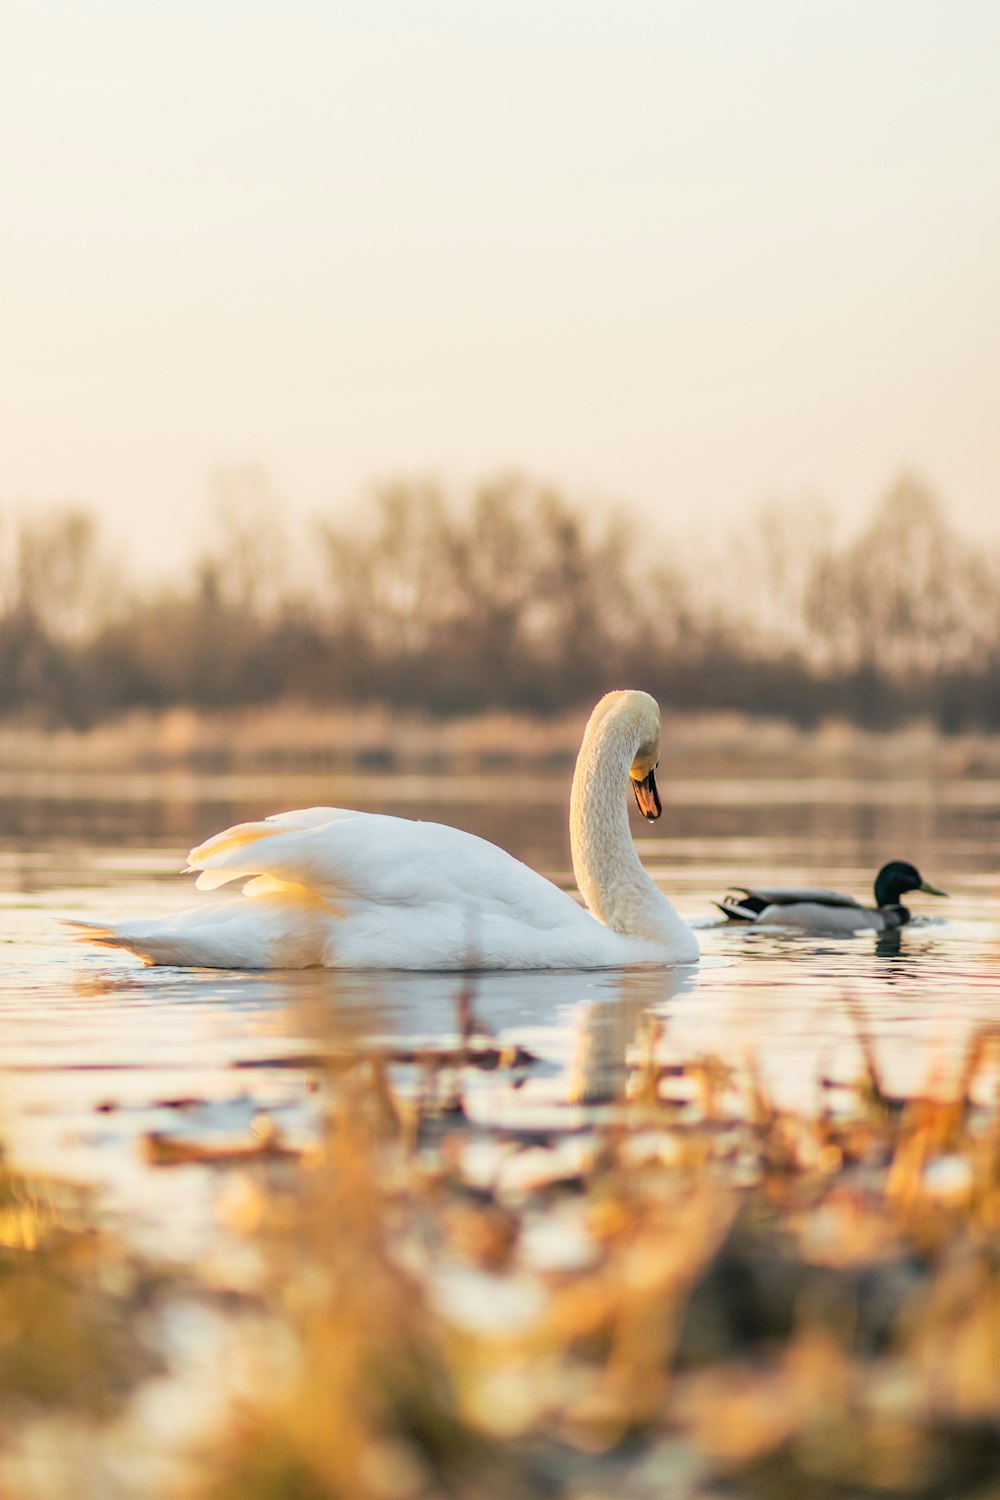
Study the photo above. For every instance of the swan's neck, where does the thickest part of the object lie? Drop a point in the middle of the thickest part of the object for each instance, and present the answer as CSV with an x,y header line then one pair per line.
x,y
608,872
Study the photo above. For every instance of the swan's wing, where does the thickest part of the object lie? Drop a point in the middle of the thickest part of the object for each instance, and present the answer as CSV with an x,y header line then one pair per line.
x,y
371,857
242,834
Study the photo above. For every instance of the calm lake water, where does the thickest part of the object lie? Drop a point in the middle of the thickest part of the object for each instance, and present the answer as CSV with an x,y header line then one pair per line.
x,y
97,1051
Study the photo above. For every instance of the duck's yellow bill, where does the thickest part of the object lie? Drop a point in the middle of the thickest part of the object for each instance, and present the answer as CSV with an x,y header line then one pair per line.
x,y
930,890
647,797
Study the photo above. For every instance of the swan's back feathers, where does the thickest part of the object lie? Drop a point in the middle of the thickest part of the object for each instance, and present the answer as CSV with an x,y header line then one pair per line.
x,y
397,893
211,856
342,856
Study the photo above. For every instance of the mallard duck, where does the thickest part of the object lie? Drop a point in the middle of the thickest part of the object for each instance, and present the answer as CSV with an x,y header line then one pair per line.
x,y
830,911
338,889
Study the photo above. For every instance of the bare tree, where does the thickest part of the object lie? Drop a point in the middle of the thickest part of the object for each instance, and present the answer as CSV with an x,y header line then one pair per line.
x,y
908,596
247,560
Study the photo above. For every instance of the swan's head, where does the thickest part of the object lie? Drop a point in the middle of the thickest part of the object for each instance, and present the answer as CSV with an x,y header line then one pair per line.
x,y
635,718
642,773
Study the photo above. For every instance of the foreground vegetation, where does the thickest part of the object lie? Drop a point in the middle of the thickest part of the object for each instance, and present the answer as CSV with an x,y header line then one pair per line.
x,y
515,599
690,1294
669,1287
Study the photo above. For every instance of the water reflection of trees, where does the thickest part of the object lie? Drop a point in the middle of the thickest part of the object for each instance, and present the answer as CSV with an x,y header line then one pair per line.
x,y
515,599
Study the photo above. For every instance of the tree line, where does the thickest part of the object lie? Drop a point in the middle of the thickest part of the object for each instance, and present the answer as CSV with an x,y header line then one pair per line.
x,y
513,597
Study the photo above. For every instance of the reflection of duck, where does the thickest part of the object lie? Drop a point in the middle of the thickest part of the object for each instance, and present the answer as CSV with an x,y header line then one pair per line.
x,y
819,910
346,889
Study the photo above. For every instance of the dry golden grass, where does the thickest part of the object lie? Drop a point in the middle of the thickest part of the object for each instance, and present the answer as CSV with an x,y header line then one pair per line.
x,y
678,1289
737,1300
72,1305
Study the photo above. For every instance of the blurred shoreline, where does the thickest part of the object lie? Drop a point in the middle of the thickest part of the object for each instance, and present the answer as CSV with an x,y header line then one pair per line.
x,y
288,737
510,600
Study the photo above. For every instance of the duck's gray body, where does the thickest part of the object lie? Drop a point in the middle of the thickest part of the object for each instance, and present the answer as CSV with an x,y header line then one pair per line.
x,y
811,908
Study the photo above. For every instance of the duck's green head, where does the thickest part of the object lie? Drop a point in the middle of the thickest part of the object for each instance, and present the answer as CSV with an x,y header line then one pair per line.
x,y
896,878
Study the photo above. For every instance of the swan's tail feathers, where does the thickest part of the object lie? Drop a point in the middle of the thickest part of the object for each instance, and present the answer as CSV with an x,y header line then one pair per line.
x,y
276,931
108,937
741,906
162,947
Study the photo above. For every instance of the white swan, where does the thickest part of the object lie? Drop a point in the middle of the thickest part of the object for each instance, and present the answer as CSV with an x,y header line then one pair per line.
x,y
341,889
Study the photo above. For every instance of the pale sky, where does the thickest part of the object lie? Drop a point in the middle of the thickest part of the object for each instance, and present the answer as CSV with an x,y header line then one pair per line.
x,y
686,255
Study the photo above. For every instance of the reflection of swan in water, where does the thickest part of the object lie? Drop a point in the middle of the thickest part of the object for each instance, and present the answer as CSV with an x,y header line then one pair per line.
x,y
579,1026
604,1028
539,1009
338,889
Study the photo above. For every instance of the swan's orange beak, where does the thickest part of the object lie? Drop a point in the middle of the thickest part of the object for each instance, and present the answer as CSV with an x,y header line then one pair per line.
x,y
647,797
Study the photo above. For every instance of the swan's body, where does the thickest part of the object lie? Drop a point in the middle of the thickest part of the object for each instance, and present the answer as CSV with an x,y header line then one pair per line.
x,y
341,889
819,910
